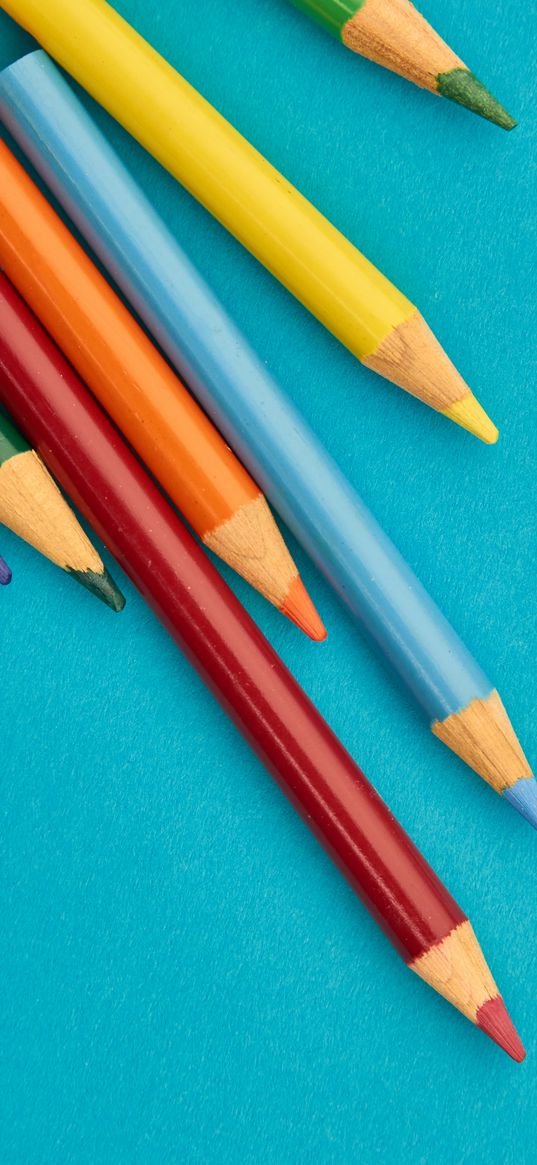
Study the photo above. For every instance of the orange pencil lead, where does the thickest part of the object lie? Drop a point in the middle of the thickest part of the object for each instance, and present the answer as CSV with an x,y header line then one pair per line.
x,y
299,608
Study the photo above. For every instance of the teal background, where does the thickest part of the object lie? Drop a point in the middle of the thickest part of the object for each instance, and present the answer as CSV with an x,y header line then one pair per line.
x,y
186,978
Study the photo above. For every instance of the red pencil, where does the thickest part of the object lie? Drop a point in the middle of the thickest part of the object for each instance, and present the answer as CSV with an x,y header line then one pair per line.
x,y
109,486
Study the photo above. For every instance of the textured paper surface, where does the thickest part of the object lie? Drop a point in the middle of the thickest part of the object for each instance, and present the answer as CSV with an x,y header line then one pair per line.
x,y
186,978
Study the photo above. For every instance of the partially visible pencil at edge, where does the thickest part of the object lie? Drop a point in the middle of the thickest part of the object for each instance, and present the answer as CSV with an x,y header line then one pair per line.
x,y
293,240
5,573
32,507
394,34
94,465
145,398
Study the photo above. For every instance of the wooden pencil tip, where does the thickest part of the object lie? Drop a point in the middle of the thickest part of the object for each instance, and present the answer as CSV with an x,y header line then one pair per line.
x,y
469,414
457,969
412,357
493,1019
462,86
483,736
252,544
102,585
299,608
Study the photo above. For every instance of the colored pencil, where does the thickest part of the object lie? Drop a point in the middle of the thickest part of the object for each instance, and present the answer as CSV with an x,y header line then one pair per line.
x,y
394,34
32,506
90,458
301,480
138,388
5,573
252,200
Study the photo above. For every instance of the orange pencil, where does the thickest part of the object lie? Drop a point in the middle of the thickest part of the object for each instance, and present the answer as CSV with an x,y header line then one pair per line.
x,y
148,402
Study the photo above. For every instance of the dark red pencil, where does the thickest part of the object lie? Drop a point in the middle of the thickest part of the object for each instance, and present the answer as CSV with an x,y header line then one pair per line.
x,y
95,467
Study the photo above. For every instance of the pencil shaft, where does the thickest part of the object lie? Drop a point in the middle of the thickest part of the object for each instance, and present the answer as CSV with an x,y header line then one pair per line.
x,y
300,478
251,199
219,168
138,388
332,14
237,663
136,385
219,638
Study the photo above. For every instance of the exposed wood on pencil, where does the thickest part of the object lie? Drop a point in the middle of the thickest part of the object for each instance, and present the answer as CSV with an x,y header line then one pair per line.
x,y
456,968
482,735
394,34
246,542
32,506
412,357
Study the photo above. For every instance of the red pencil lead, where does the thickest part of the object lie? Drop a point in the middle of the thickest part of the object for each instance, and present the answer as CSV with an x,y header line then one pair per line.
x,y
494,1019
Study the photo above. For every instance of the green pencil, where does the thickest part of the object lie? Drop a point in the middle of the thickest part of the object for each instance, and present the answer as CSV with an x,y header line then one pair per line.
x,y
32,506
394,34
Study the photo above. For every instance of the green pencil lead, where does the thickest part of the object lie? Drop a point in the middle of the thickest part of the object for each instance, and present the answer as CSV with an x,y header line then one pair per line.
x,y
102,586
462,86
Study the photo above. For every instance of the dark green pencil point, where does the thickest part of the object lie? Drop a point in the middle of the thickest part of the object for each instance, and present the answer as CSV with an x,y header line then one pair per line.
x,y
102,586
461,86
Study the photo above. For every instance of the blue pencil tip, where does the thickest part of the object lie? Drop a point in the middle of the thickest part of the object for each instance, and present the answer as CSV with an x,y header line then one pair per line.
x,y
5,573
523,796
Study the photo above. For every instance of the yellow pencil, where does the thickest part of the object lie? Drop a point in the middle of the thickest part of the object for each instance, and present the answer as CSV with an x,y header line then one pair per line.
x,y
249,197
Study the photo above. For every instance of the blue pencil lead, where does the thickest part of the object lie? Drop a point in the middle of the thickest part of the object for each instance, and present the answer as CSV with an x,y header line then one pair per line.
x,y
5,573
523,796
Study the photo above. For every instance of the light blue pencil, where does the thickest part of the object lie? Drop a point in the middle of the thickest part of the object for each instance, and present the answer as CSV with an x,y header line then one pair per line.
x,y
260,422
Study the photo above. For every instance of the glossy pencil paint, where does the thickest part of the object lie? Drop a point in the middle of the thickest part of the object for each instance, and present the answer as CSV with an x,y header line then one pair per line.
x,y
273,440
258,205
142,394
246,675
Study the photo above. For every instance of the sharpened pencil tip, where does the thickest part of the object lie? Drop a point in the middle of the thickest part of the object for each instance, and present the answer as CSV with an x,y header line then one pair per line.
x,y
493,1018
102,586
469,414
299,608
462,86
523,797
